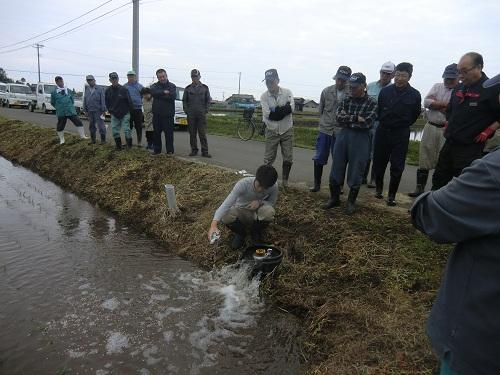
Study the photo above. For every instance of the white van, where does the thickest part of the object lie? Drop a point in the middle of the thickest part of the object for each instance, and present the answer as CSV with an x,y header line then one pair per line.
x,y
3,92
17,95
180,119
42,97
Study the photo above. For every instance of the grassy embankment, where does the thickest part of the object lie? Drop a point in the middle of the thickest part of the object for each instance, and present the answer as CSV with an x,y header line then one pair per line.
x,y
362,286
305,131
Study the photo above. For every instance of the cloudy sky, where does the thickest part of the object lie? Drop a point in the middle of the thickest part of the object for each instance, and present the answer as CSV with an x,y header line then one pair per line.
x,y
305,40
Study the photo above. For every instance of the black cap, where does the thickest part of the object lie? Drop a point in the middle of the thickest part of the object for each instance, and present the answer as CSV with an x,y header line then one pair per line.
x,y
270,74
113,75
451,71
343,72
357,79
492,81
195,73
405,67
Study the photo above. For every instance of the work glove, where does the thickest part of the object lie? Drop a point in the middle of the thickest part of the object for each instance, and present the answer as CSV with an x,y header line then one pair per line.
x,y
287,109
277,114
484,135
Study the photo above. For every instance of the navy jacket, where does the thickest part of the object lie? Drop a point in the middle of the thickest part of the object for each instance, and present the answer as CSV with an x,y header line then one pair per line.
x,y
471,110
118,101
398,109
465,318
163,104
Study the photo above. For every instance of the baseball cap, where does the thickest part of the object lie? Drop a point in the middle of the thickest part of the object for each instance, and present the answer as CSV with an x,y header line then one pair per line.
x,y
89,77
492,81
451,71
270,74
195,73
343,72
388,67
131,73
113,75
357,79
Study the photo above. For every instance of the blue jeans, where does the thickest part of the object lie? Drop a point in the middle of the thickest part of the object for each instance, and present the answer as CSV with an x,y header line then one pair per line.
x,y
324,147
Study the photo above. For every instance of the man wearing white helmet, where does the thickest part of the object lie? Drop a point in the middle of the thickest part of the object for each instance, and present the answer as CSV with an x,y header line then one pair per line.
x,y
373,89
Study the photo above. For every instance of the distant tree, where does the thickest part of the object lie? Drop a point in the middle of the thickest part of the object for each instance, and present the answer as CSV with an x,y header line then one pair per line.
x,y
4,78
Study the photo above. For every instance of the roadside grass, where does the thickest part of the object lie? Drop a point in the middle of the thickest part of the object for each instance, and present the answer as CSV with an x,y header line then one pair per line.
x,y
304,136
361,286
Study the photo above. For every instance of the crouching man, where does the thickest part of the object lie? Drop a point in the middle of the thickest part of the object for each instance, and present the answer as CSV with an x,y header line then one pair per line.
x,y
249,207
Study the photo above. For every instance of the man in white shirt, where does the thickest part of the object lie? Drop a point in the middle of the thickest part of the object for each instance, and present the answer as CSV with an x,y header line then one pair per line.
x,y
277,107
435,104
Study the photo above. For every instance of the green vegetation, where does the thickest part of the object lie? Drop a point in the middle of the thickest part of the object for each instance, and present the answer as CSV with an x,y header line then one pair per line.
x,y
305,136
361,285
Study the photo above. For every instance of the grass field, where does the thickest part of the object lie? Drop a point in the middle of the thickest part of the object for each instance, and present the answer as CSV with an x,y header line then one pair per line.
x,y
305,136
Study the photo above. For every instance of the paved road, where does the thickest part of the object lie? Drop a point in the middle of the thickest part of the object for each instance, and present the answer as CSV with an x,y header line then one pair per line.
x,y
228,152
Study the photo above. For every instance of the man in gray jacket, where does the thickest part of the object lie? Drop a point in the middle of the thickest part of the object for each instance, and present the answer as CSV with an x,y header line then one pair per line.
x,y
464,324
94,106
196,101
329,100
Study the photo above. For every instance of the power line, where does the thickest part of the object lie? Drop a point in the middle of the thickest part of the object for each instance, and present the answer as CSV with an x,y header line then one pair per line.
x,y
58,27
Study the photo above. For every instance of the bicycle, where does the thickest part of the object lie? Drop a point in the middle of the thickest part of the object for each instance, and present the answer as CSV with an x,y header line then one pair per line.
x,y
246,125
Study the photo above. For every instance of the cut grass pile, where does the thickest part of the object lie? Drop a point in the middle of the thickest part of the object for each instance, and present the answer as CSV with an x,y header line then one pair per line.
x,y
362,286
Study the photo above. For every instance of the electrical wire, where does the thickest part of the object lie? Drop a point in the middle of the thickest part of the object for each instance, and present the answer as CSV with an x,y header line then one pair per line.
x,y
58,27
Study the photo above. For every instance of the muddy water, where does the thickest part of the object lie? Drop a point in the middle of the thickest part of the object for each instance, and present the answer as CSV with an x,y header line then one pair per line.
x,y
82,294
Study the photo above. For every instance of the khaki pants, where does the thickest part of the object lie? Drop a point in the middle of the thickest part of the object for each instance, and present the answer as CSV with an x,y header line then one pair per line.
x,y
431,144
247,217
273,140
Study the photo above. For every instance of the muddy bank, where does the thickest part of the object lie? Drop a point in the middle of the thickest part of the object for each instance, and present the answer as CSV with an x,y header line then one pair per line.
x,y
362,285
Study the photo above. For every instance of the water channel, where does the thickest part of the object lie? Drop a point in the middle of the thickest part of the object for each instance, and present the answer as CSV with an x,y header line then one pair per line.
x,y
81,293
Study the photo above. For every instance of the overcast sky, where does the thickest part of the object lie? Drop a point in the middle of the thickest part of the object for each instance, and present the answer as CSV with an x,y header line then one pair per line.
x,y
306,41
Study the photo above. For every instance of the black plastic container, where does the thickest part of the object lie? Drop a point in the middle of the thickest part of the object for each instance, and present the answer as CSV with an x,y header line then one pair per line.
x,y
267,264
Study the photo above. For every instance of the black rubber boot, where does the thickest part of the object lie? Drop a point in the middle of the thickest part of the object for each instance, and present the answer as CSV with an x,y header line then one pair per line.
x,y
257,231
118,142
351,199
334,200
393,189
240,233
365,174
129,142
103,139
422,176
92,138
287,166
318,173
379,187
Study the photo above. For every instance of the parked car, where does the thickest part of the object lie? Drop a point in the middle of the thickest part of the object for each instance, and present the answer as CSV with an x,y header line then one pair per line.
x,y
41,101
180,119
3,92
17,95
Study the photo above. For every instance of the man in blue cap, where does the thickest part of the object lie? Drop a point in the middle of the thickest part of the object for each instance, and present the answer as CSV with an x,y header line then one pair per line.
x,y
433,139
355,115
331,96
136,116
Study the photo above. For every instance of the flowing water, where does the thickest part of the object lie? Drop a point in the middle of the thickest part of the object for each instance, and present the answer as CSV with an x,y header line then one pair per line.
x,y
81,293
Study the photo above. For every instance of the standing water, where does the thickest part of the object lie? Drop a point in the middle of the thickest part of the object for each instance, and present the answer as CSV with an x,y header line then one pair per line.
x,y
82,294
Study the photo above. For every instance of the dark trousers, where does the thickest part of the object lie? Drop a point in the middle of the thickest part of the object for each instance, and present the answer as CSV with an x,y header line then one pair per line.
x,y
197,125
61,122
163,124
149,138
136,120
453,158
390,145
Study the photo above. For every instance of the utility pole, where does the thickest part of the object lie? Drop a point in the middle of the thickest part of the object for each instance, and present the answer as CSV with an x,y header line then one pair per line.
x,y
239,82
135,37
38,46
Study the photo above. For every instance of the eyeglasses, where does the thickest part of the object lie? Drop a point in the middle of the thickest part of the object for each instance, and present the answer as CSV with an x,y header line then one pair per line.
x,y
465,71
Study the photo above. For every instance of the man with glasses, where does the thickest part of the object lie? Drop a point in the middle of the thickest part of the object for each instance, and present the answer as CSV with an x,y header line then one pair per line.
x,y
432,141
373,90
329,100
196,102
473,116
94,105
277,107
399,106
